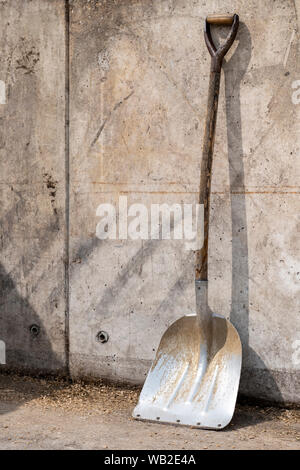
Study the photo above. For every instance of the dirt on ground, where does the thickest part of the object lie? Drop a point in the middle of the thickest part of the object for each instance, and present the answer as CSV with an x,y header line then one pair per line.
x,y
57,414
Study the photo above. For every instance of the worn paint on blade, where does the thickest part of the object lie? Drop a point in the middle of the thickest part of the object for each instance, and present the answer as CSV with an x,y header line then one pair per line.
x,y
179,384
202,367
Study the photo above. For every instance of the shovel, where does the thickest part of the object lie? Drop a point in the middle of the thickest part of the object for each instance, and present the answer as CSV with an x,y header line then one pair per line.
x,y
195,376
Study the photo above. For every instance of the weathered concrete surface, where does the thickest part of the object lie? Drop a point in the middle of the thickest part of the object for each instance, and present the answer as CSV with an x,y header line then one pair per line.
x,y
139,78
32,67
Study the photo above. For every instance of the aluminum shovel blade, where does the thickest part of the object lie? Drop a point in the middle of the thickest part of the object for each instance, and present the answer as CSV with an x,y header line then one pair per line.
x,y
188,385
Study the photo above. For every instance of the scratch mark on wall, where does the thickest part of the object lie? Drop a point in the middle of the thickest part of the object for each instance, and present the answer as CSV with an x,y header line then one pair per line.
x,y
116,106
287,52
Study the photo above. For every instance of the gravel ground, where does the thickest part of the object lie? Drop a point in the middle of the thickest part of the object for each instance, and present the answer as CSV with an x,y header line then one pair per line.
x,y
55,414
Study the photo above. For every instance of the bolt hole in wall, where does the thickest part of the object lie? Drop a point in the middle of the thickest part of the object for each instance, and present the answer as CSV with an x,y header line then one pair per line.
x,y
102,336
34,330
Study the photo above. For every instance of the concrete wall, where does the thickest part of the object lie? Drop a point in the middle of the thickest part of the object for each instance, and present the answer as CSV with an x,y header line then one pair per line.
x,y
32,159
138,76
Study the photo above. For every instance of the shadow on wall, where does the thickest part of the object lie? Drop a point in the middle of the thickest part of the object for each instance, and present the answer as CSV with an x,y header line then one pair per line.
x,y
27,346
256,379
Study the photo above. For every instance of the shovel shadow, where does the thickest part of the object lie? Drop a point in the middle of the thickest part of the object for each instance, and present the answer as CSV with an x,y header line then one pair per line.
x,y
256,380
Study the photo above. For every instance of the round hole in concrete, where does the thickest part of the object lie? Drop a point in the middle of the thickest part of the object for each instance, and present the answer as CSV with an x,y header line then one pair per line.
x,y
34,330
102,336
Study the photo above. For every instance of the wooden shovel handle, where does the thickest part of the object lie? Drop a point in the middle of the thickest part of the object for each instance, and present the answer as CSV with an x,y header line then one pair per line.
x,y
217,55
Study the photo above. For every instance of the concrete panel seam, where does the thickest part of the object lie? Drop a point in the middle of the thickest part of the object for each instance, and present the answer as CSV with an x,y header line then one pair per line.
x,y
67,183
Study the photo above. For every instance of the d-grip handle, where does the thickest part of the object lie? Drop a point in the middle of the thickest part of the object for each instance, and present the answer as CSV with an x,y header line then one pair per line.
x,y
217,54
220,19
